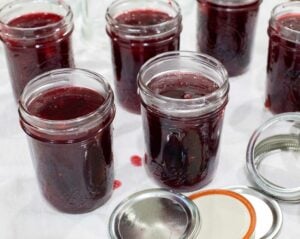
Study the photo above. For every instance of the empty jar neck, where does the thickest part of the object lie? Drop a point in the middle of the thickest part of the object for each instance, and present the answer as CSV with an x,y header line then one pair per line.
x,y
49,32
181,62
66,129
164,29
275,23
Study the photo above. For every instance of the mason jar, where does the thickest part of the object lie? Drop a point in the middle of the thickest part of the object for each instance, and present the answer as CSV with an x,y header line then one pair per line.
x,y
138,31
225,30
183,98
67,116
37,38
283,67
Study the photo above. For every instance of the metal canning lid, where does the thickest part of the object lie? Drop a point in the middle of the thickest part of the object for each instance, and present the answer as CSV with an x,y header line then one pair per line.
x,y
268,212
233,3
273,157
224,214
155,213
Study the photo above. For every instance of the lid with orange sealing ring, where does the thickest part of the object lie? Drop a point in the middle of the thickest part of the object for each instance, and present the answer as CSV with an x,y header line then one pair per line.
x,y
224,214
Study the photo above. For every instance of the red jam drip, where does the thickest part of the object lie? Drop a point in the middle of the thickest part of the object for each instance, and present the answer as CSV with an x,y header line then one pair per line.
x,y
35,20
117,184
65,103
283,69
182,153
136,160
129,55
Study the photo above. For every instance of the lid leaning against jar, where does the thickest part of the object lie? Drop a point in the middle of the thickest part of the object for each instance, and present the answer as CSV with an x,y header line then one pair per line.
x,y
155,213
273,157
224,214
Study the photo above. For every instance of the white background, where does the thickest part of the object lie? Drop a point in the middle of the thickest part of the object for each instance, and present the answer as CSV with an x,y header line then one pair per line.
x,y
24,214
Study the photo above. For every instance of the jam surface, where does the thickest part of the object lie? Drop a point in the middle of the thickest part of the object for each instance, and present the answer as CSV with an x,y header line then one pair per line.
x,y
227,34
29,58
75,176
182,153
283,68
128,55
65,103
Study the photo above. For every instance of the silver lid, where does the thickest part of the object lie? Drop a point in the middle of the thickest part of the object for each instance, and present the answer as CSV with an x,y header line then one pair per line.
x,y
233,3
268,212
273,157
155,213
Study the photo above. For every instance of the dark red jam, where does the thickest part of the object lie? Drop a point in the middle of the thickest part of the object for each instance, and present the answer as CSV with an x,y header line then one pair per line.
x,y
182,153
227,33
129,54
29,57
75,174
283,69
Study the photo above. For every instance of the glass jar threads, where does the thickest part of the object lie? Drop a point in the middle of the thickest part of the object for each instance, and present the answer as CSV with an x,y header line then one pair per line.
x,y
283,68
37,38
183,96
139,30
67,115
226,31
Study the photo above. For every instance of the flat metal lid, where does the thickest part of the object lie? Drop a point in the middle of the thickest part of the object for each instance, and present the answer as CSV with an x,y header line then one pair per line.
x,y
268,212
155,213
224,215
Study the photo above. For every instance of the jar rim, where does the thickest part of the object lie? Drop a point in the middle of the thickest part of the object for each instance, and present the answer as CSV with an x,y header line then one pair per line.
x,y
279,11
66,18
216,96
234,3
65,126
282,193
136,30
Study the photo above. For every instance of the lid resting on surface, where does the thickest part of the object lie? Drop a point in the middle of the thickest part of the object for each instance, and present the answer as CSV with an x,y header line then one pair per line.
x,y
155,214
268,212
224,214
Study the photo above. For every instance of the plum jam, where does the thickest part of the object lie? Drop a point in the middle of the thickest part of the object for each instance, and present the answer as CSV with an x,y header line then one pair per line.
x,y
67,116
182,111
283,68
139,32
35,42
226,31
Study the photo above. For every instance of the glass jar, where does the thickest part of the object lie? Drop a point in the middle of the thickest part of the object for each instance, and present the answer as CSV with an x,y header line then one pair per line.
x,y
139,30
226,31
67,115
183,98
37,38
283,68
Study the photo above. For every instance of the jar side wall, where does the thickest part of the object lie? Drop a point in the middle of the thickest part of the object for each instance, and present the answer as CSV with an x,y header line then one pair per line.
x,y
227,35
182,154
283,72
75,177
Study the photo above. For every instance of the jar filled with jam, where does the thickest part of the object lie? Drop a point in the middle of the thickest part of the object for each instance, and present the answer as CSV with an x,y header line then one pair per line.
x,y
37,38
67,115
183,98
138,31
283,68
226,31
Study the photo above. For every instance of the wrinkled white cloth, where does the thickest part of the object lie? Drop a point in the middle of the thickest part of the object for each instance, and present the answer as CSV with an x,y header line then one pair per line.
x,y
24,214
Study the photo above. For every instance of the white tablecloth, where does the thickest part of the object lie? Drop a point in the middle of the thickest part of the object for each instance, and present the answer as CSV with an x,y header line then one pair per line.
x,y
24,214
